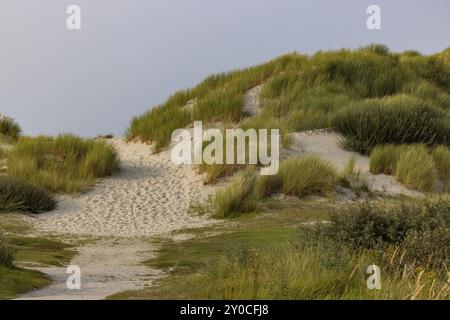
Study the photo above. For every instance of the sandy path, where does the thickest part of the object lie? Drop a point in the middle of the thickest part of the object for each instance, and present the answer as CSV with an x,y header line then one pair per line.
x,y
149,197
107,266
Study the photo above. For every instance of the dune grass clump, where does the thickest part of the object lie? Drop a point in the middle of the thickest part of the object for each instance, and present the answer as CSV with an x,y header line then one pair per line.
x,y
416,169
63,164
9,129
441,157
394,120
307,175
236,198
384,158
18,195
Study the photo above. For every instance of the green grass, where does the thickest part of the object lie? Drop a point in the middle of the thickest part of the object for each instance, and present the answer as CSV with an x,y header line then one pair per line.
x,y
236,198
441,157
26,250
6,252
18,195
393,120
15,281
307,175
416,169
63,164
384,158
9,129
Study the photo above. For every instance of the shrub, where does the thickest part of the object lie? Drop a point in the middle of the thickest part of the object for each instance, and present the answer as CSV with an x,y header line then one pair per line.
x,y
66,163
9,129
441,157
307,175
393,120
416,169
236,198
384,158
18,195
6,252
421,229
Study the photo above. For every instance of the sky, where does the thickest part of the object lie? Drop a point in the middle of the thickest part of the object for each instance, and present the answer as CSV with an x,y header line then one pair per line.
x,y
132,54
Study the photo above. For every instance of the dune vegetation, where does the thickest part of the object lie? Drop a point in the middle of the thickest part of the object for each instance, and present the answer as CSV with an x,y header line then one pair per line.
x,y
9,130
415,166
329,261
300,177
18,195
371,95
65,163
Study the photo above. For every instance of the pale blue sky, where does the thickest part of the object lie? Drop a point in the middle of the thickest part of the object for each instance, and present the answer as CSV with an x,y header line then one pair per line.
x,y
131,54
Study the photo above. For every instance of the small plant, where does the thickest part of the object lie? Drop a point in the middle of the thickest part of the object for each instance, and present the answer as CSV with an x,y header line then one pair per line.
x,y
307,175
236,198
441,157
9,129
416,169
18,195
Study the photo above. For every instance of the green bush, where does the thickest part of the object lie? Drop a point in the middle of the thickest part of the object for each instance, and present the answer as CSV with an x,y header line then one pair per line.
x,y
441,157
9,129
393,120
420,229
307,175
384,158
18,195
236,198
416,169
66,163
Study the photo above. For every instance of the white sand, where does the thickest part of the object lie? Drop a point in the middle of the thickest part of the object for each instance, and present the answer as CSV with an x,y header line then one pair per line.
x,y
150,196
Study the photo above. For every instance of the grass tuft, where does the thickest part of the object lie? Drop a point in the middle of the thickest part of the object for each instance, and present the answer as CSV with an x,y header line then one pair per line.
x,y
307,175
18,195
416,169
